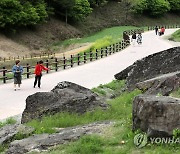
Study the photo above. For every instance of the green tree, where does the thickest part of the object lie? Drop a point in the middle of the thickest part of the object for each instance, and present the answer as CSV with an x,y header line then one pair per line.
x,y
15,13
80,10
175,5
152,7
140,6
63,7
158,7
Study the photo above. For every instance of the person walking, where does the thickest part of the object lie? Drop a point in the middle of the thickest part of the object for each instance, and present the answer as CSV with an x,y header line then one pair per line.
x,y
139,38
133,39
162,30
156,30
17,70
38,73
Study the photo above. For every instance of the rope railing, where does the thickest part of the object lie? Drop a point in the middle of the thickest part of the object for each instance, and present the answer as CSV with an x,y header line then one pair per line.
x,y
63,63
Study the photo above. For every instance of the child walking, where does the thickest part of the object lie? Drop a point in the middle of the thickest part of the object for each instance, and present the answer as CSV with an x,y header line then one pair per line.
x,y
38,73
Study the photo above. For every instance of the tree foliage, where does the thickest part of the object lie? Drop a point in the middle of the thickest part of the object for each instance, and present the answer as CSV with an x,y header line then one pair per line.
x,y
80,10
21,13
158,7
175,5
152,7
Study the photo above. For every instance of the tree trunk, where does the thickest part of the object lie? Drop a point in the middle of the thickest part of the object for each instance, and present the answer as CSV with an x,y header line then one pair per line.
x,y
66,17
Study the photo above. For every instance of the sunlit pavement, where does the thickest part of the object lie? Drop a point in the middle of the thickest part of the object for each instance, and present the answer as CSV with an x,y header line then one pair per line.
x,y
89,75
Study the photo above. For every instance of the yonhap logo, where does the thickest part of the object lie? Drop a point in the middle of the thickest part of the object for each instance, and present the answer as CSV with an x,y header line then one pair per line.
x,y
141,140
164,140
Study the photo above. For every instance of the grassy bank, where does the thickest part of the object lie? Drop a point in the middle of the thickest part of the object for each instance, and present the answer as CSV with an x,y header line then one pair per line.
x,y
103,38
115,140
175,36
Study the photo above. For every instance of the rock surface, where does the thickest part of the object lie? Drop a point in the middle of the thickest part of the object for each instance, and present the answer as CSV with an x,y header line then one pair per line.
x,y
151,66
157,116
65,97
9,131
162,85
45,141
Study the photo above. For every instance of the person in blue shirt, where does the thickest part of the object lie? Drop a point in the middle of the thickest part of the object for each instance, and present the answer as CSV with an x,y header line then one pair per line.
x,y
17,71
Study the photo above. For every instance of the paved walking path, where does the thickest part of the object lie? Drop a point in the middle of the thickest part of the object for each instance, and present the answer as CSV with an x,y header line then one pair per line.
x,y
88,75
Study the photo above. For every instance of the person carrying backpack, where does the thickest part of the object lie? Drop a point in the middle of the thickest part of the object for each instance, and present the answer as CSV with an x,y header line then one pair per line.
x,y
17,71
38,73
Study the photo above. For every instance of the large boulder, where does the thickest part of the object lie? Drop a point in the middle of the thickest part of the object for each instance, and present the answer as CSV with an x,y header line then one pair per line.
x,y
65,97
162,85
8,132
158,116
44,141
151,66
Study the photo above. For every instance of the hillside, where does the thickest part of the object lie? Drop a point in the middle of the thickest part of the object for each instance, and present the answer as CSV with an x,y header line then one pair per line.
x,y
36,39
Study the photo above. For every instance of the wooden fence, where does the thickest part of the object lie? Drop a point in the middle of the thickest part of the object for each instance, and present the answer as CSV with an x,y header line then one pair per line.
x,y
165,26
43,55
56,64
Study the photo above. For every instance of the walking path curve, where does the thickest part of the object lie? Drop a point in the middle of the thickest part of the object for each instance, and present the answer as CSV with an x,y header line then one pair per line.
x,y
89,75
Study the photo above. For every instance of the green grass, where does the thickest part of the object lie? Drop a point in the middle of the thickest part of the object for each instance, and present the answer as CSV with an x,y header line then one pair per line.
x,y
115,140
115,87
8,121
118,107
175,36
115,33
176,93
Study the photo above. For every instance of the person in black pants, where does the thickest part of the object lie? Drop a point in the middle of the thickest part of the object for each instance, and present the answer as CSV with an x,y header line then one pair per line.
x,y
38,73
156,30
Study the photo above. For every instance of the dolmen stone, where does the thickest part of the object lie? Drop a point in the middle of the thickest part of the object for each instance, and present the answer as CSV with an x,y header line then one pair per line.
x,y
158,116
162,85
65,97
42,142
8,132
163,62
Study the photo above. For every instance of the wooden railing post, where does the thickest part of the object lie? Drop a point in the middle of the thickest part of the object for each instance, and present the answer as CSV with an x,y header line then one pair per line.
x,y
64,62
101,52
47,65
56,64
4,75
113,48
110,50
96,54
27,69
71,60
84,57
106,52
78,58
91,55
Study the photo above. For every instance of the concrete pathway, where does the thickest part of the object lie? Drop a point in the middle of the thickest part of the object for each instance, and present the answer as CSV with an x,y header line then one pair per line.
x,y
89,75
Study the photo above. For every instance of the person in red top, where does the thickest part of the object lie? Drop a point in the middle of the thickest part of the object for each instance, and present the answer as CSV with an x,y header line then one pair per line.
x,y
162,30
38,73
